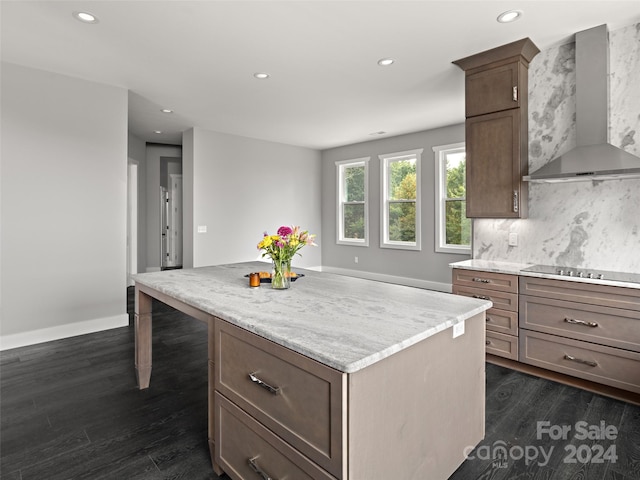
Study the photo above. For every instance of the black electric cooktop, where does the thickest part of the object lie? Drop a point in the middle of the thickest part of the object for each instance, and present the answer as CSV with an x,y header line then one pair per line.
x,y
584,273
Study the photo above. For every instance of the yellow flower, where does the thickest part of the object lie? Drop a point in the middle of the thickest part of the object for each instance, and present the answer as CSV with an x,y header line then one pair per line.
x,y
265,242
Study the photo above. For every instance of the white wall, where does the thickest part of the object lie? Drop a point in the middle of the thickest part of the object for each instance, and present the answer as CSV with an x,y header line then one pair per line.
x,y
137,154
188,229
242,187
64,190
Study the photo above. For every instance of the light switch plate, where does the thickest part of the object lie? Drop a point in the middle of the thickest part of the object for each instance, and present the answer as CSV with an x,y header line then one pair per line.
x,y
513,239
202,229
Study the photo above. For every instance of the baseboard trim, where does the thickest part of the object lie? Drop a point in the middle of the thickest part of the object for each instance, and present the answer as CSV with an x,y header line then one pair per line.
x,y
381,277
33,337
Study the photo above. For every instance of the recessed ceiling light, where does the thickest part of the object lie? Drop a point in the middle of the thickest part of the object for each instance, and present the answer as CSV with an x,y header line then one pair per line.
x,y
166,110
157,131
261,75
385,62
85,17
509,16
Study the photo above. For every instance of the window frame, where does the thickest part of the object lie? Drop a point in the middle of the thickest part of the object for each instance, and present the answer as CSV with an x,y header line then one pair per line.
x,y
440,155
385,160
341,165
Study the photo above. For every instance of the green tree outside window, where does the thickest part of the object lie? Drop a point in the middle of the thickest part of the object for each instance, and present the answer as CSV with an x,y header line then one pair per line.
x,y
402,201
353,213
457,225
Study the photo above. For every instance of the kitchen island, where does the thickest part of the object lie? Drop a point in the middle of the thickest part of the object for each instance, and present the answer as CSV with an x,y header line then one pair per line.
x,y
337,377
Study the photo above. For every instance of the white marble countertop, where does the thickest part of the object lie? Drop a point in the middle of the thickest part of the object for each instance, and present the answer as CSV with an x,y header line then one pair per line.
x,y
344,322
516,269
490,266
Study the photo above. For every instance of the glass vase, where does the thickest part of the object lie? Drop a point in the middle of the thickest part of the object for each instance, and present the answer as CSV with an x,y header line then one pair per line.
x,y
281,275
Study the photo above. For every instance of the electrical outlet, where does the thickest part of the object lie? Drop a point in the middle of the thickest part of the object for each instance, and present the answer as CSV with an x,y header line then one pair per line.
x,y
202,229
355,259
458,329
513,239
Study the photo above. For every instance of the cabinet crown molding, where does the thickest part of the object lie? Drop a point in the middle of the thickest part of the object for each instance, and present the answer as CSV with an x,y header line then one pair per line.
x,y
523,50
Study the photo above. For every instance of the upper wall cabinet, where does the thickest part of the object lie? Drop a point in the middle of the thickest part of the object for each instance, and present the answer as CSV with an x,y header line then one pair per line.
x,y
497,145
494,90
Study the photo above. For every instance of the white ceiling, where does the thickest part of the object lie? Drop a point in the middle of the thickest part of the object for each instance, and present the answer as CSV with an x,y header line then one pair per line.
x,y
325,90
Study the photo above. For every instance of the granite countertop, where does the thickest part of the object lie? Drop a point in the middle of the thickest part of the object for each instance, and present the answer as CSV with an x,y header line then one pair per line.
x,y
344,322
517,269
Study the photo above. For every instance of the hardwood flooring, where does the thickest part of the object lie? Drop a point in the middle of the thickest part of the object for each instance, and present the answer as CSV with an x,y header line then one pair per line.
x,y
70,409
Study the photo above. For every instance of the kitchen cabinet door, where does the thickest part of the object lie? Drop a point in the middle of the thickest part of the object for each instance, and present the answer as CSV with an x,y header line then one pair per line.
x,y
495,165
494,89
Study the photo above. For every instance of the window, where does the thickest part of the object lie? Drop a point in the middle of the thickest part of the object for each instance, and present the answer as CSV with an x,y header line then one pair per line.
x,y
400,218
353,205
453,228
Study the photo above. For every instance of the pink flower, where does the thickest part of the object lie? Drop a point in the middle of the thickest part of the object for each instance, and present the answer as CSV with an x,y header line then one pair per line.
x,y
284,231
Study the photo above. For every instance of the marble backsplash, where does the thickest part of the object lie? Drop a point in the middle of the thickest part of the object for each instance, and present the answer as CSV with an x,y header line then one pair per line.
x,y
593,224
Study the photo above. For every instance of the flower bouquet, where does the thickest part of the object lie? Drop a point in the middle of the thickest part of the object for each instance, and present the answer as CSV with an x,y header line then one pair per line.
x,y
281,248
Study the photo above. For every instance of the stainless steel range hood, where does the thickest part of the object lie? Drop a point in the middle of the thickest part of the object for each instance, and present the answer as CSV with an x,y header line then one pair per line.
x,y
593,158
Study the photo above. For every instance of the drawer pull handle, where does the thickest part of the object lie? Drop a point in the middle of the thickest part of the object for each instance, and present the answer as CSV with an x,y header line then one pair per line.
x,y
256,468
488,342
488,319
575,321
481,280
266,386
579,360
481,297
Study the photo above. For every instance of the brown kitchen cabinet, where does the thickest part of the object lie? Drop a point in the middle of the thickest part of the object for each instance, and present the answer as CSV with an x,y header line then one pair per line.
x,y
496,110
297,398
495,89
280,414
502,318
584,330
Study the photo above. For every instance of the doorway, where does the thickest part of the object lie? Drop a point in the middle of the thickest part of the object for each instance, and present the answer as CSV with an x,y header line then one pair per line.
x,y
171,223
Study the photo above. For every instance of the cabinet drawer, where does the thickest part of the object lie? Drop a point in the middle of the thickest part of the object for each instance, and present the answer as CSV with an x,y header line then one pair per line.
x,y
502,345
614,327
297,398
591,293
501,282
610,366
502,321
501,300
241,442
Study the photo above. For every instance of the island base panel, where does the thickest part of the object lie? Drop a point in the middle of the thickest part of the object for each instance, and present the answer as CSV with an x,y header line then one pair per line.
x,y
211,395
217,469
413,414
143,307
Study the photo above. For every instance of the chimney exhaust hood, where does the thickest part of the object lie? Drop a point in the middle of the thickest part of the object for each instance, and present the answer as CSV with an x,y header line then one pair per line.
x,y
593,158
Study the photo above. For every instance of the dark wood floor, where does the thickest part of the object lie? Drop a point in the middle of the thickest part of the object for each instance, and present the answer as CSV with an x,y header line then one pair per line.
x,y
70,409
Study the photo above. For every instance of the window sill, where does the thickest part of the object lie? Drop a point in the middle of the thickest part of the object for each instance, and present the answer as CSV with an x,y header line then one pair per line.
x,y
454,249
353,243
401,246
